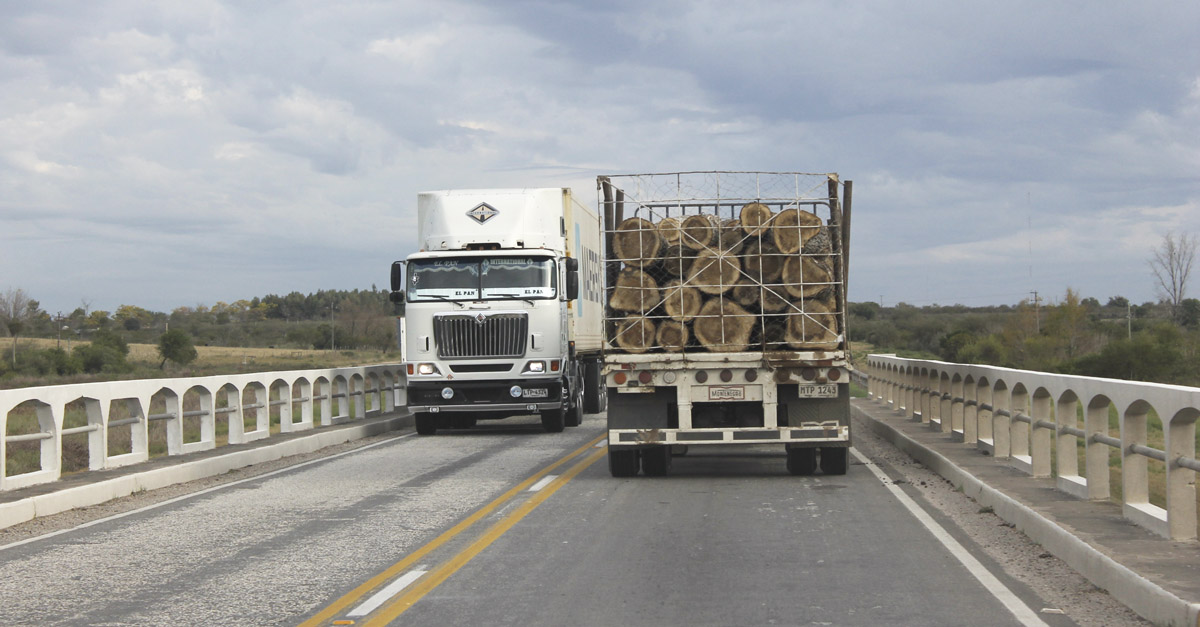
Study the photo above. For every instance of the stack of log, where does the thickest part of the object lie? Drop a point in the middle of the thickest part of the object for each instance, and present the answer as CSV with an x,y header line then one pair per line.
x,y
763,279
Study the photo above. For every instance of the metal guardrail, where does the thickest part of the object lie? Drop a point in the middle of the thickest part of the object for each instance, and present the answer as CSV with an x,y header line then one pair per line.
x,y
244,403
1031,420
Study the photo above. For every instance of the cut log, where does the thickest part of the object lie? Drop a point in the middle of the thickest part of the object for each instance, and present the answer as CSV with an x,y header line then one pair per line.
x,y
792,228
681,302
754,218
805,277
731,238
814,329
774,298
819,243
761,261
635,333
746,293
724,326
676,260
698,232
637,242
713,272
635,291
669,231
672,336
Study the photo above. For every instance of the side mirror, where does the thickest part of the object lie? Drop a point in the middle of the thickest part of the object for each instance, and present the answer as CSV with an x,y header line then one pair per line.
x,y
572,278
397,295
397,276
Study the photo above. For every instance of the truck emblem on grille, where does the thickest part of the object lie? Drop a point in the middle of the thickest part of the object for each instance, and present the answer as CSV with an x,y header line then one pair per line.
x,y
483,212
480,319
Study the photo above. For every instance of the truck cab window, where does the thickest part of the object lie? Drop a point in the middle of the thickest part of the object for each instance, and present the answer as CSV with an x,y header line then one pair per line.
x,y
482,278
441,279
518,276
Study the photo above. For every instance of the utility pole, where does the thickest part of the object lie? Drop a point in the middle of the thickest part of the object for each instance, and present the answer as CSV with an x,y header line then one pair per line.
x,y
1037,312
1129,319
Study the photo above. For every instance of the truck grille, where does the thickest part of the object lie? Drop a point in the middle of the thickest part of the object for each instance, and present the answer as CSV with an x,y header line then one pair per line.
x,y
481,335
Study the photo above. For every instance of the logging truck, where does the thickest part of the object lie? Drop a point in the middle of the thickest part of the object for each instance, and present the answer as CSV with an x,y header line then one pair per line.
x,y
502,308
724,316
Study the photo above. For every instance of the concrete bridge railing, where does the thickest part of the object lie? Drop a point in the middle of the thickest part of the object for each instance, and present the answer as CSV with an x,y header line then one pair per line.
x,y
1038,422
245,405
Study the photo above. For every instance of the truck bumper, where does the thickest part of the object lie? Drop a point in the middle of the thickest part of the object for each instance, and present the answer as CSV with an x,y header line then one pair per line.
x,y
491,396
825,435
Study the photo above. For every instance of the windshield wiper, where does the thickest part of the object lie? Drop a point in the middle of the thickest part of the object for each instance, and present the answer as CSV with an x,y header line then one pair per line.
x,y
512,297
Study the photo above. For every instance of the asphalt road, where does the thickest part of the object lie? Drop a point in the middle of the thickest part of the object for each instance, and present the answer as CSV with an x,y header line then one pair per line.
x,y
475,528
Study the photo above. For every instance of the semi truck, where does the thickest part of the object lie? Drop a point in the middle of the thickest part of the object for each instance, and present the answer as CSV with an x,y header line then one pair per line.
x,y
724,316
502,308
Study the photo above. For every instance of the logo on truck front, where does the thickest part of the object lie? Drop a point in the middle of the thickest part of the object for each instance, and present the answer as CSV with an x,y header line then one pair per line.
x,y
482,213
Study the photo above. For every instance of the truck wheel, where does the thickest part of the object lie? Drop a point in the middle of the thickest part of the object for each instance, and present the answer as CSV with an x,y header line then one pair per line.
x,y
623,463
593,387
426,423
802,461
656,461
575,414
554,421
835,461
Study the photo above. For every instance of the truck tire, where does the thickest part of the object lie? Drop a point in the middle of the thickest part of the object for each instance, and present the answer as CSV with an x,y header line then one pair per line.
x,y
594,396
623,463
554,420
802,461
575,413
835,461
656,461
426,423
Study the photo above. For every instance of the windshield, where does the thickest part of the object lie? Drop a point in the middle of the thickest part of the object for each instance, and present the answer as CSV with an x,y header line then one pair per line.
x,y
483,278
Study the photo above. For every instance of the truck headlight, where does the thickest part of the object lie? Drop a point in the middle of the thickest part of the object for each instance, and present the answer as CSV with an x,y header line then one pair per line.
x,y
427,369
534,367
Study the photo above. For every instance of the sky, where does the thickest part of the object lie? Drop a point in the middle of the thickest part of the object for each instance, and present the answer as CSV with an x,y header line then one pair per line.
x,y
176,153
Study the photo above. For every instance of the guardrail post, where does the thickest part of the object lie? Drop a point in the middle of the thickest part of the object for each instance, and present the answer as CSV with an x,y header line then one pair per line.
x,y
970,411
1180,433
956,408
945,417
1001,420
1096,460
987,433
281,387
1135,476
236,420
1041,435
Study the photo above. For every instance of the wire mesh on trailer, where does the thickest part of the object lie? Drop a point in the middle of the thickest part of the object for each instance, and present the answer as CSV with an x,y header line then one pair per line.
x,y
723,262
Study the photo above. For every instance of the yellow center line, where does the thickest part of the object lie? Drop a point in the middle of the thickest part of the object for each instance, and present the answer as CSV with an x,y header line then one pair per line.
x,y
357,594
435,578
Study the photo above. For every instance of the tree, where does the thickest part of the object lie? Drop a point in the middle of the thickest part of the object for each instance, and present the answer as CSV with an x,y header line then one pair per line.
x,y
176,346
1171,263
15,308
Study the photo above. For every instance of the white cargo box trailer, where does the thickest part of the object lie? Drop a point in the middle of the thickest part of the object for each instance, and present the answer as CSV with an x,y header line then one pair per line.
x,y
503,312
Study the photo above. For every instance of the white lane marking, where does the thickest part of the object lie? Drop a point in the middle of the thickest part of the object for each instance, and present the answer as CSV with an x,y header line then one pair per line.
x,y
545,481
201,493
1010,601
389,591
601,444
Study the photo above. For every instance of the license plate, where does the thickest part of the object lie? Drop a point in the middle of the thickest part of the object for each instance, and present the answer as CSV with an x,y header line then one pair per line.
x,y
535,393
726,393
818,390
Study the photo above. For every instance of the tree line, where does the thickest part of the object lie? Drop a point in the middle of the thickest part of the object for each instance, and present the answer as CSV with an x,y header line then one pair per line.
x,y
326,319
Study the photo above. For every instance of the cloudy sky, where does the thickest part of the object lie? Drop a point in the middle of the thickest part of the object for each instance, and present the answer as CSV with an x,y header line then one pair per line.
x,y
162,154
